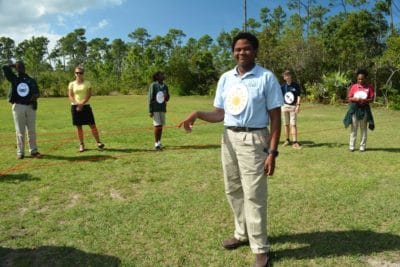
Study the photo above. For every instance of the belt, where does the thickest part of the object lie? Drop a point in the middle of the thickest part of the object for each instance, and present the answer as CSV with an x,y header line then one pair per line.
x,y
243,129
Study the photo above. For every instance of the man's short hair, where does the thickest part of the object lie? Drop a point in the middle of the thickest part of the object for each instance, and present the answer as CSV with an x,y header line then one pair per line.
x,y
248,36
287,72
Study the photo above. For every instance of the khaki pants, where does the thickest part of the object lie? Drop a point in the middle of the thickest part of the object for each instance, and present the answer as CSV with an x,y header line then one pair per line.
x,y
25,119
353,135
243,158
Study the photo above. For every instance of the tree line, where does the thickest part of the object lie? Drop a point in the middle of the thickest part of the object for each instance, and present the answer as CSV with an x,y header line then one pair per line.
x,y
322,50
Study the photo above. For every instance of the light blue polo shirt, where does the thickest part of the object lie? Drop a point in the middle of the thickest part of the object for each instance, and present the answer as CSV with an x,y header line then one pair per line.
x,y
264,93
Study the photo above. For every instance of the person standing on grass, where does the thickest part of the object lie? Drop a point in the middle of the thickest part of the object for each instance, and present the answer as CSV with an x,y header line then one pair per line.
x,y
291,95
79,93
23,96
158,96
359,113
247,100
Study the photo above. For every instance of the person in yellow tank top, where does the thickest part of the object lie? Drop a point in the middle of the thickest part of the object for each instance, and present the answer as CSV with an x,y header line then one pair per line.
x,y
79,93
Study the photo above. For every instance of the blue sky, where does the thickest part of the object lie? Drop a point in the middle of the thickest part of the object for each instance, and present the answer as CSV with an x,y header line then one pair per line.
x,y
113,19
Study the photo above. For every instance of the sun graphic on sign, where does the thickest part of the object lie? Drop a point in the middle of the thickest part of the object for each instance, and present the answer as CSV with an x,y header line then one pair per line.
x,y
236,100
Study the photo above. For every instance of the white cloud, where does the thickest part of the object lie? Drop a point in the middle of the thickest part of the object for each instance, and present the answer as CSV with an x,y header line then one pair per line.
x,y
23,19
103,23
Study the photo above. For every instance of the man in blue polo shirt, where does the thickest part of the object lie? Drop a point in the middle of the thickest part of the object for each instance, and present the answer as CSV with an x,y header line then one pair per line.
x,y
248,100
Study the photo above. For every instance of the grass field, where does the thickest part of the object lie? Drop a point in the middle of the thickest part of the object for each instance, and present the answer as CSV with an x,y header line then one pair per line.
x,y
132,206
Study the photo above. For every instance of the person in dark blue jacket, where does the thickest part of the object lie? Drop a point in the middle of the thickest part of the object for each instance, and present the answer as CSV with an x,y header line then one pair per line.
x,y
23,96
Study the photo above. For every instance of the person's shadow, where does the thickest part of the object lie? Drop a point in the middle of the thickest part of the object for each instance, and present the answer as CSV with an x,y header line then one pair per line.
x,y
329,243
54,256
17,178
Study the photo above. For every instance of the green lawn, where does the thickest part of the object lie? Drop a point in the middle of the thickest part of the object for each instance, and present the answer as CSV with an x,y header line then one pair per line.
x,y
132,206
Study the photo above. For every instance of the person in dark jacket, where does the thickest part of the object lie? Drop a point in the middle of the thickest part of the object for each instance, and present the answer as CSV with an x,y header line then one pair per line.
x,y
23,96
157,98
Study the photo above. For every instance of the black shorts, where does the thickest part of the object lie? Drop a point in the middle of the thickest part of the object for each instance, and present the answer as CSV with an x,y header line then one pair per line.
x,y
83,117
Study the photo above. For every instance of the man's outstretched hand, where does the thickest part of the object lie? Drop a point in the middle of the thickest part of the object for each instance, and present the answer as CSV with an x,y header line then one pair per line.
x,y
188,122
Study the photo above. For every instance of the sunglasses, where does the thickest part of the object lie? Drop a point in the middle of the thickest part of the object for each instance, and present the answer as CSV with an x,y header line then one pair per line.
x,y
78,73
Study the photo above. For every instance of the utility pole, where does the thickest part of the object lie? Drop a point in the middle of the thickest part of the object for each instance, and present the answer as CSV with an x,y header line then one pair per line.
x,y
390,4
245,17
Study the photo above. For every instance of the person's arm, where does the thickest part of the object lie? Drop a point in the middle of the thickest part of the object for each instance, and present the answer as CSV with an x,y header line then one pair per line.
x,y
150,100
71,95
371,95
166,93
8,73
297,110
351,95
35,90
275,133
87,97
217,115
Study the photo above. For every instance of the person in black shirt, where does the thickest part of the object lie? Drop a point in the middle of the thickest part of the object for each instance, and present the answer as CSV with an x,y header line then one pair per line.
x,y
291,94
23,96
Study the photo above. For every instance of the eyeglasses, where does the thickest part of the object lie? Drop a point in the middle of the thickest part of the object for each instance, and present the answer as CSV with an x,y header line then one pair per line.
x,y
78,73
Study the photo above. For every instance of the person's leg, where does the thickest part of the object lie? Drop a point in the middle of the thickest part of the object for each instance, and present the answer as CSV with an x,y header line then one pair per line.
x,y
31,127
293,126
80,137
353,133
158,133
251,158
286,122
96,135
364,132
19,123
233,184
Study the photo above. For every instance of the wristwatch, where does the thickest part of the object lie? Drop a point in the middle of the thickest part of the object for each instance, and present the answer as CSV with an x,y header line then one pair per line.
x,y
274,153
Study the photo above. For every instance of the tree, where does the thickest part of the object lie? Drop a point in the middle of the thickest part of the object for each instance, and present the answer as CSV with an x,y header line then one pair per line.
x,y
352,41
7,50
71,49
33,52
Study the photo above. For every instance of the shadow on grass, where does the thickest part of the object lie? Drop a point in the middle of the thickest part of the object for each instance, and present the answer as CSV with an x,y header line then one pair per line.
x,y
313,144
129,150
210,146
16,178
328,244
54,256
391,149
79,157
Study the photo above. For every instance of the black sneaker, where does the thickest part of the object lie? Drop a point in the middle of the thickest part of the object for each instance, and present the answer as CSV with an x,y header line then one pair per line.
x,y
100,145
20,156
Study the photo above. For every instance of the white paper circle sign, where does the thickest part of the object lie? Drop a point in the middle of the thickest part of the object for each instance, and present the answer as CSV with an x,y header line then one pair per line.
x,y
289,98
160,97
361,94
236,100
23,89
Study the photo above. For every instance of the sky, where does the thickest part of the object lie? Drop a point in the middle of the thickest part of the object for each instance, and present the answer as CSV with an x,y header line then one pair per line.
x,y
22,19
113,19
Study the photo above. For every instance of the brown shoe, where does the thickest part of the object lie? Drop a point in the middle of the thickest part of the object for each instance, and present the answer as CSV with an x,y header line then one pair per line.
x,y
296,145
262,260
37,155
233,243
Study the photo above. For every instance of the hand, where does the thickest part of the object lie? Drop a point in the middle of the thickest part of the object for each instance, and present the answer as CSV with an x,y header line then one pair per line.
x,y
79,107
188,122
269,165
297,109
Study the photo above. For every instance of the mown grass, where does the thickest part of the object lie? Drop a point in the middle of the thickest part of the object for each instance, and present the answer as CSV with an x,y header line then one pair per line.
x,y
132,206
